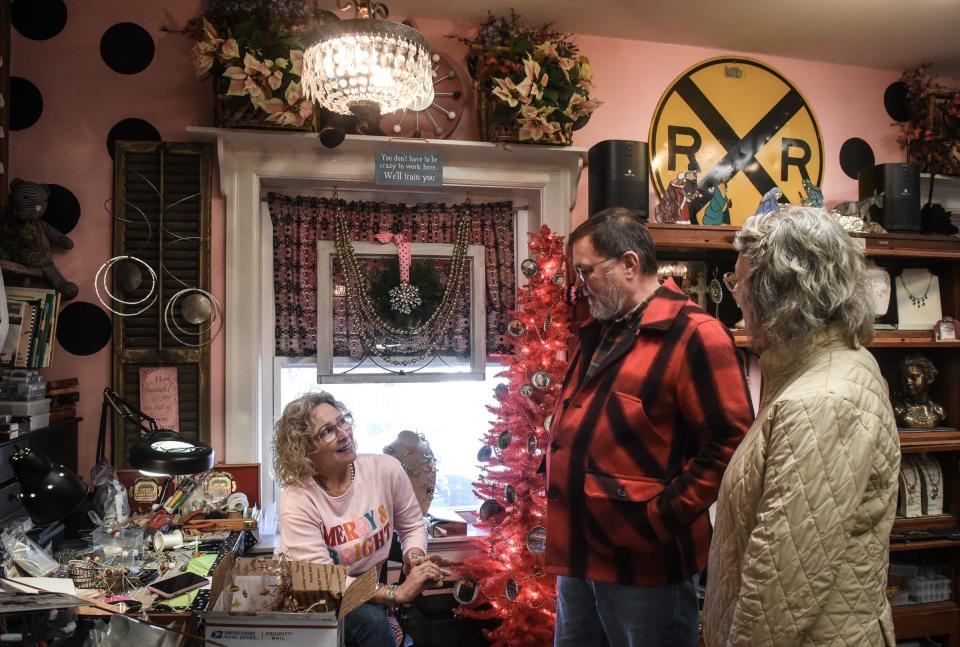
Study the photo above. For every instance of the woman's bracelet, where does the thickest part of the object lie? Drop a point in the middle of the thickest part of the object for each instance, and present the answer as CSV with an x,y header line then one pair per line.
x,y
391,600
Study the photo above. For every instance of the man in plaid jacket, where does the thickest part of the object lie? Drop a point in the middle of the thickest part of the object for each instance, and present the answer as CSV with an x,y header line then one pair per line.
x,y
650,412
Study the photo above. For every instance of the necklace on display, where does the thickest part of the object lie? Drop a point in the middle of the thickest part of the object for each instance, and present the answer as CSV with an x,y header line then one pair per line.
x,y
319,481
911,487
917,301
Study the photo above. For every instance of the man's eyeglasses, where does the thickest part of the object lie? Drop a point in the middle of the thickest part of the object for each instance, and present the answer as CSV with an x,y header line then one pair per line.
x,y
328,433
583,271
730,280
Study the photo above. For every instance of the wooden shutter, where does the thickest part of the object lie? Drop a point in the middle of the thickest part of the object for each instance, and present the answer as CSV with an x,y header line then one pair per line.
x,y
157,221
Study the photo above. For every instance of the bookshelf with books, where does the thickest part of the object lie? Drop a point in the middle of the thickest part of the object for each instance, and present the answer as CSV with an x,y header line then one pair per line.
x,y
31,337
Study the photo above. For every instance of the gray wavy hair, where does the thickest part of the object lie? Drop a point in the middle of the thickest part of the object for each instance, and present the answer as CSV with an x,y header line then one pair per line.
x,y
292,434
806,274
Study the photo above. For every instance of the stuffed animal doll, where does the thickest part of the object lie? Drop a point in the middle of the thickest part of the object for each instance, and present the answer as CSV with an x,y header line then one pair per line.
x,y
28,238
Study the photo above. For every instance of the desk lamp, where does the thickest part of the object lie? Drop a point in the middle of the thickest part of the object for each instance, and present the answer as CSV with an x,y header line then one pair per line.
x,y
159,451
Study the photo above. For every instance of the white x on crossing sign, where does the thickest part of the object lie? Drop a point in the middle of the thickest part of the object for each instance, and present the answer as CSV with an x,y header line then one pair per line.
x,y
737,120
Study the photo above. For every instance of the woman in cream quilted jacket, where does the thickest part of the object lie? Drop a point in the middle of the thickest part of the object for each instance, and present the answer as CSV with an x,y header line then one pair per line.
x,y
800,551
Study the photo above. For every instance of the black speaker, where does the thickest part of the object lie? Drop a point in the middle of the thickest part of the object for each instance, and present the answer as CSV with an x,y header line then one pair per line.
x,y
900,185
617,170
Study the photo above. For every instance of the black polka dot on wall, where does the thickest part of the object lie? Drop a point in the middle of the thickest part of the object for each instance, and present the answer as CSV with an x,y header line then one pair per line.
x,y
855,155
83,328
895,101
26,103
63,209
131,129
127,48
38,19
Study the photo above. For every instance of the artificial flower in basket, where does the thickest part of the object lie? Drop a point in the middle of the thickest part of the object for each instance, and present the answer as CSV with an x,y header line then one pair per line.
x,y
252,50
931,132
533,83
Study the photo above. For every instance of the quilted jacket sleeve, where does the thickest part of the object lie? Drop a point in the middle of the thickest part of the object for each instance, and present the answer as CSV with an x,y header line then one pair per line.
x,y
819,460
716,410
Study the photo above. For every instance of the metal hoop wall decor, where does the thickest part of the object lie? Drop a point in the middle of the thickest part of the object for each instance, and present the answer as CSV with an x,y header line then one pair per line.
x,y
106,269
214,321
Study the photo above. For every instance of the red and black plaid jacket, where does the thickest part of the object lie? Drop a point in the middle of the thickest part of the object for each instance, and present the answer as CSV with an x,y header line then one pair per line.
x,y
636,453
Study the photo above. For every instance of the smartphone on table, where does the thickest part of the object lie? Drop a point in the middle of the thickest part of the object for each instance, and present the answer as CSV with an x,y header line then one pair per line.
x,y
171,587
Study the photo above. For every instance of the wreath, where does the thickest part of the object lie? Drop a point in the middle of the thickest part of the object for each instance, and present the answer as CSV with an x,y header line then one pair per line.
x,y
424,276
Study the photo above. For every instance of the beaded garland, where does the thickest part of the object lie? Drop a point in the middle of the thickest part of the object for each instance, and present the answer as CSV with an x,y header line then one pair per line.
x,y
379,337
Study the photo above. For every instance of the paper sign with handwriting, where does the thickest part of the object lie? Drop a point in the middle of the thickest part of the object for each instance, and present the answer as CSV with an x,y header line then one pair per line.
x,y
159,395
409,168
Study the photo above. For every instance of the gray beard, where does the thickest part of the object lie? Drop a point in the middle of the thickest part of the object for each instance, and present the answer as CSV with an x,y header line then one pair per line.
x,y
609,305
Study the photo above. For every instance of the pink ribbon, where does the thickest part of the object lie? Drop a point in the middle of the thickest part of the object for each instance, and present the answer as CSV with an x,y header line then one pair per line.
x,y
403,250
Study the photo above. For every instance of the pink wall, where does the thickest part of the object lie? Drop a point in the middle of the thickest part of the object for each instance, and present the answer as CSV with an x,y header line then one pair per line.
x,y
83,98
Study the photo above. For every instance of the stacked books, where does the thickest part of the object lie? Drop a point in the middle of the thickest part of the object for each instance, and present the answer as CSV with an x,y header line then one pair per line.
x,y
64,395
23,402
32,314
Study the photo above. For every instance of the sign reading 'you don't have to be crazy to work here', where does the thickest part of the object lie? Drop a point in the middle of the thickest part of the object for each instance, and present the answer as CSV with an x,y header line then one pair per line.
x,y
408,168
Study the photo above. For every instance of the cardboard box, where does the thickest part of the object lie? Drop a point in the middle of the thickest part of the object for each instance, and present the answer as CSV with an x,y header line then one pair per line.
x,y
321,585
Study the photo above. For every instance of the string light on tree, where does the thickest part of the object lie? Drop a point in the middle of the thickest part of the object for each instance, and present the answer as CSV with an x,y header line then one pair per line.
x,y
509,575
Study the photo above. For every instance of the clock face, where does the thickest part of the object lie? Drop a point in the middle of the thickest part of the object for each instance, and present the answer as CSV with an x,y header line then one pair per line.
x,y
431,117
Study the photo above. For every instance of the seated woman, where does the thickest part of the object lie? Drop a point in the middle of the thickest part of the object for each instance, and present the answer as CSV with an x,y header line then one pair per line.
x,y
340,507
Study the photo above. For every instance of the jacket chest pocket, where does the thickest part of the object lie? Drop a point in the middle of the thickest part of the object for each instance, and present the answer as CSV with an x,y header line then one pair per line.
x,y
625,438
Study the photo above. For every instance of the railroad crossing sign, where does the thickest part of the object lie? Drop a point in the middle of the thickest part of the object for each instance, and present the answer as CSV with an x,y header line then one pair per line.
x,y
736,120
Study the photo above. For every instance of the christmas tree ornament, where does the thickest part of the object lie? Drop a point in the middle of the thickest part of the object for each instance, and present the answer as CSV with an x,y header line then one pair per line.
x,y
512,589
485,453
541,380
559,278
490,508
526,390
510,494
716,293
516,328
537,540
547,421
532,445
529,267
501,392
504,439
465,590
547,323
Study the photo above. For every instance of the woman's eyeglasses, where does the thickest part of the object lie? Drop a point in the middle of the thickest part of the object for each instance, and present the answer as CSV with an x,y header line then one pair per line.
x,y
328,433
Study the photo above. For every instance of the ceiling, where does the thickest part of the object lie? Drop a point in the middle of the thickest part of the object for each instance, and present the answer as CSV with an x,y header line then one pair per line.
x,y
887,34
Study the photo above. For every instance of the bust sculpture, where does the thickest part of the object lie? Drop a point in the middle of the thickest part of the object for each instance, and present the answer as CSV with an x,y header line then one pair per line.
x,y
912,405
414,453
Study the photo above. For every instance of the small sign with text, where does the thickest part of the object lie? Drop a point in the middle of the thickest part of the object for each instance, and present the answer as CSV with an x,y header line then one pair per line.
x,y
411,169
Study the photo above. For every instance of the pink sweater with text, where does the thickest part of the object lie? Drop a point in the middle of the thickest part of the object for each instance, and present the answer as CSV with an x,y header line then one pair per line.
x,y
354,530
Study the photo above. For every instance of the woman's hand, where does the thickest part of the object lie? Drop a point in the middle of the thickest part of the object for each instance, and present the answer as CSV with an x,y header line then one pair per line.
x,y
415,557
424,574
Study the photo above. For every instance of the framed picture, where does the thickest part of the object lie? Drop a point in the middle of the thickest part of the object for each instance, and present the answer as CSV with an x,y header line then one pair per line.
x,y
343,353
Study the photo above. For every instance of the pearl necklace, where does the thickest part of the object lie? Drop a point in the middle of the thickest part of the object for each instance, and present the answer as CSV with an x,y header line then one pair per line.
x,y
379,337
353,475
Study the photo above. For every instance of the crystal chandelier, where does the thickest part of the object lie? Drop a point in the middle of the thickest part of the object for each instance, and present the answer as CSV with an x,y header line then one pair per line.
x,y
368,65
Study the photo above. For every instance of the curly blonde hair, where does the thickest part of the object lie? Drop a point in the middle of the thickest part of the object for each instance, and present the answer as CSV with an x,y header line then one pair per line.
x,y
807,274
292,434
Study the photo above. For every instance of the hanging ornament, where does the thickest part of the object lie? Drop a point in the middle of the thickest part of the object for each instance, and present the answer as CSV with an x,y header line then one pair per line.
x,y
490,508
532,444
404,298
465,590
547,323
559,278
512,589
510,494
516,328
214,321
128,277
196,309
526,390
716,293
529,267
547,421
485,453
541,380
504,439
537,540
501,391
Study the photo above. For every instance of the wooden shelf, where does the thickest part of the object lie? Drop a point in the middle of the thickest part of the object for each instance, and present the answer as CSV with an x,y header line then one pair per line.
x,y
926,619
931,521
903,610
914,442
881,339
924,545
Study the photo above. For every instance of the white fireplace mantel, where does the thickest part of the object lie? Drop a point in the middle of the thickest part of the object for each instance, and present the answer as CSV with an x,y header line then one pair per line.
x,y
254,162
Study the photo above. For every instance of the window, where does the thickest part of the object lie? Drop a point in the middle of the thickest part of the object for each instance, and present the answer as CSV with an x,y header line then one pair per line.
x,y
451,415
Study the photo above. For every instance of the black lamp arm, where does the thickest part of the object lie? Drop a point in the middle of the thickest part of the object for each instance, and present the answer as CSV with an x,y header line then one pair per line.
x,y
125,410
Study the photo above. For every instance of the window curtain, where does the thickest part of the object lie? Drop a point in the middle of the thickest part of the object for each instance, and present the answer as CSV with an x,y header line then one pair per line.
x,y
299,222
